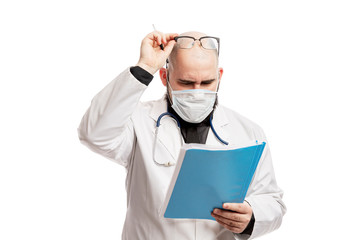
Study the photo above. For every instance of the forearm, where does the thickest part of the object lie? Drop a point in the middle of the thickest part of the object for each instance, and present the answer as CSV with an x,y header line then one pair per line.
x,y
110,110
265,198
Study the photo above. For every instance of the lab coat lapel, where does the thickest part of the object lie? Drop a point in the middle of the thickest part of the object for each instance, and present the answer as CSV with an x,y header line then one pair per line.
x,y
168,134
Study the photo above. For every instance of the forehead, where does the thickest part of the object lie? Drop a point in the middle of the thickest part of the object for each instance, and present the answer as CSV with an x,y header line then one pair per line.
x,y
193,71
194,58
190,61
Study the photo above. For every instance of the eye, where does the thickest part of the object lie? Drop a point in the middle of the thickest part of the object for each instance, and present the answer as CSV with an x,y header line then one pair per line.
x,y
186,83
206,82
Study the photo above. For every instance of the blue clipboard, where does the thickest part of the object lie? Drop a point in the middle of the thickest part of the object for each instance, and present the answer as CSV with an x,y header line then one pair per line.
x,y
205,178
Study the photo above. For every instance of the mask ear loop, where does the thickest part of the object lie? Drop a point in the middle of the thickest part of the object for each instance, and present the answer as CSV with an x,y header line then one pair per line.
x,y
170,100
168,82
217,76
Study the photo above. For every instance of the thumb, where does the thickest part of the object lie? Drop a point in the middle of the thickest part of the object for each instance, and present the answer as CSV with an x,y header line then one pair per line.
x,y
169,47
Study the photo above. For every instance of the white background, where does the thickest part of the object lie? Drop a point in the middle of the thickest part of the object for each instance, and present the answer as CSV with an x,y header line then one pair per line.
x,y
290,66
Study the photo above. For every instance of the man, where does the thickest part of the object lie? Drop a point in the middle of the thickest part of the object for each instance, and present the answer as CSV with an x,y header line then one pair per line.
x,y
120,127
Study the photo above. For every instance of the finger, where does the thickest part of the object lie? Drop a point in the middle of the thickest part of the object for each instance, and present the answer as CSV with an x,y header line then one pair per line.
x,y
171,36
162,37
169,46
155,37
237,207
234,229
228,221
159,39
167,37
233,216
170,42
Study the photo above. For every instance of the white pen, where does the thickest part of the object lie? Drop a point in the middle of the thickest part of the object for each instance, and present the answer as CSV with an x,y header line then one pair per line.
x,y
161,45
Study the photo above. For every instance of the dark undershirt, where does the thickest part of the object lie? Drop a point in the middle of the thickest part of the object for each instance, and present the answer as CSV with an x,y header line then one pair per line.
x,y
191,132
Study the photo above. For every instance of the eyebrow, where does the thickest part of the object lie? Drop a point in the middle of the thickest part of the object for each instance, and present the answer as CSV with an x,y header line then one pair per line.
x,y
185,81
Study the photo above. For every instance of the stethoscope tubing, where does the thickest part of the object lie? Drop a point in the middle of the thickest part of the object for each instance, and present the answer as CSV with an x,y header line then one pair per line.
x,y
178,123
215,133
171,163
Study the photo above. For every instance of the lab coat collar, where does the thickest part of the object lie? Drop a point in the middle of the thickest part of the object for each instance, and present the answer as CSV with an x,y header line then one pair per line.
x,y
170,138
159,107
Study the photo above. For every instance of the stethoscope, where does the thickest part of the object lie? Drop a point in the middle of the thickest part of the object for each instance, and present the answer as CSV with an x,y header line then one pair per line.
x,y
158,123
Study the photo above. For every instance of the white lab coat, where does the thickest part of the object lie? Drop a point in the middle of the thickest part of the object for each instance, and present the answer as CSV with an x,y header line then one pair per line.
x,y
120,127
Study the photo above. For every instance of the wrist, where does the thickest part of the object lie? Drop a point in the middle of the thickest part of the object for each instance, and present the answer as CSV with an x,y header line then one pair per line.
x,y
147,68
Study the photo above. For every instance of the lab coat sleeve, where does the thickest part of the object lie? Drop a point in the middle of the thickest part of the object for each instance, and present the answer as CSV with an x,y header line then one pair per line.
x,y
264,196
107,127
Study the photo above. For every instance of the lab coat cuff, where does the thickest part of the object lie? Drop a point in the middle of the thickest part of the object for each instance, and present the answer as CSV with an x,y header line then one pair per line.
x,y
246,234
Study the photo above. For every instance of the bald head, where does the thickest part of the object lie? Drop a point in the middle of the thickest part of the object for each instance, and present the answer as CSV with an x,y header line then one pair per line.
x,y
195,54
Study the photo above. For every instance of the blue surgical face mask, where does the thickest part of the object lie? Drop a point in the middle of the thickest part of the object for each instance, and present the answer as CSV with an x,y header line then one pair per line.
x,y
193,105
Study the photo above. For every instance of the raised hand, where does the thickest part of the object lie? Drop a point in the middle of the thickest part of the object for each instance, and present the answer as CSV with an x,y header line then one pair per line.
x,y
152,57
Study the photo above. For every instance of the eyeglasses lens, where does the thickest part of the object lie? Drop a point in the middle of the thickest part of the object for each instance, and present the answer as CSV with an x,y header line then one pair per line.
x,y
185,42
209,43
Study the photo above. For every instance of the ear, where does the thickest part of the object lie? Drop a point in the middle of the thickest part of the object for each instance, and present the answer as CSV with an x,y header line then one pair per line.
x,y
163,74
221,71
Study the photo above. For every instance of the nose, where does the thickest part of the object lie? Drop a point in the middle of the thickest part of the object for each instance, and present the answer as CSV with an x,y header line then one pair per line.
x,y
197,86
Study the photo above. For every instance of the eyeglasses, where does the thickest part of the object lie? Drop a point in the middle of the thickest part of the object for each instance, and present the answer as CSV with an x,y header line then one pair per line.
x,y
207,42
